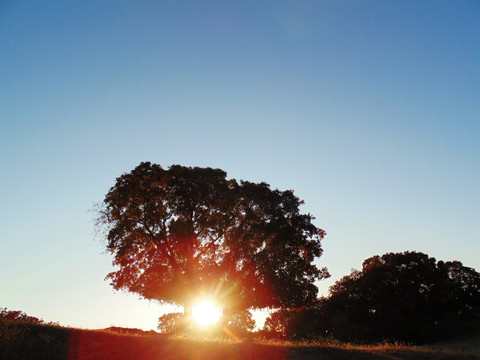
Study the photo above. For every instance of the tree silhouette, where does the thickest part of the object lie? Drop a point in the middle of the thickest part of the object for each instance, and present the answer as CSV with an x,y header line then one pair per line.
x,y
171,323
296,323
18,316
239,323
403,296
281,323
180,233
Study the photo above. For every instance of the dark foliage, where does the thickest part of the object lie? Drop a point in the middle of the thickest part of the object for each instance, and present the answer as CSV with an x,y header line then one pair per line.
x,y
398,296
179,233
295,324
17,316
239,324
402,296
32,340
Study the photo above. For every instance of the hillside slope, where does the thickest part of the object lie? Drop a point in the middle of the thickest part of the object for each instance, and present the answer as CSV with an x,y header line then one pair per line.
x,y
33,341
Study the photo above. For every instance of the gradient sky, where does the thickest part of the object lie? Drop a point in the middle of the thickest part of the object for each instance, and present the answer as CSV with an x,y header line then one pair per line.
x,y
369,110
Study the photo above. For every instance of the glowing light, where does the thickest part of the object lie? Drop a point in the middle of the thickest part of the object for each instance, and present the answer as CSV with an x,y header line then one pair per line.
x,y
206,313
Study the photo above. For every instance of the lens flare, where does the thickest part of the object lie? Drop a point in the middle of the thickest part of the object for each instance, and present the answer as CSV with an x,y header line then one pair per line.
x,y
206,313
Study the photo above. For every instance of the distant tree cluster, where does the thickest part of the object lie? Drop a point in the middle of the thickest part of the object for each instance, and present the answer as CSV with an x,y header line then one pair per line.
x,y
405,296
18,316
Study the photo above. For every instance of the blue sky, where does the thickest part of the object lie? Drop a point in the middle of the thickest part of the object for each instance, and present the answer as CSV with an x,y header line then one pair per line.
x,y
369,110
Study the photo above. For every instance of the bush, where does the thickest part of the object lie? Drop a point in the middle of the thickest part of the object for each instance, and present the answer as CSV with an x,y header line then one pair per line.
x,y
17,315
32,340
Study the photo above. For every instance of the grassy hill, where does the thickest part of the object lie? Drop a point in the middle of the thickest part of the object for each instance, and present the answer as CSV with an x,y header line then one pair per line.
x,y
37,341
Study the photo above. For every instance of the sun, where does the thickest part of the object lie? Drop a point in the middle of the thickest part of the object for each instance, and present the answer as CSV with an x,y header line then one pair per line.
x,y
206,313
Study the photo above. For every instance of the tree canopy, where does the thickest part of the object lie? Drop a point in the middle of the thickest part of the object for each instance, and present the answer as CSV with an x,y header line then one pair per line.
x,y
183,232
403,296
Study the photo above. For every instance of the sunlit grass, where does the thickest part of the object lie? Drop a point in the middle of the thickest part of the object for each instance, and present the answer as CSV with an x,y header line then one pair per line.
x,y
326,343
18,341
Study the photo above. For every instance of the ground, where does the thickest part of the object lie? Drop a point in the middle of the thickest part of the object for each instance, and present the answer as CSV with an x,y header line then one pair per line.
x,y
29,341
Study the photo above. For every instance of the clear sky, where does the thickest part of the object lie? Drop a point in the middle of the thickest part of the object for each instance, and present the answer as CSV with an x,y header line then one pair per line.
x,y
369,110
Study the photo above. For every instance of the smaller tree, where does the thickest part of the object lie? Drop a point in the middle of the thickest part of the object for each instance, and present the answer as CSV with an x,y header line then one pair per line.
x,y
403,296
239,324
299,323
18,316
281,323
171,323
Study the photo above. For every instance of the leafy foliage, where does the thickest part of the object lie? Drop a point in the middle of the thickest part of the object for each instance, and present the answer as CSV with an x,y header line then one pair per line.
x,y
239,323
296,323
171,323
403,296
27,337
178,233
280,322
17,315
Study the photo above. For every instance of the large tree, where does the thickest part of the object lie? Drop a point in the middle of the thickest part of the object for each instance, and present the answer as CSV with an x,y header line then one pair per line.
x,y
180,233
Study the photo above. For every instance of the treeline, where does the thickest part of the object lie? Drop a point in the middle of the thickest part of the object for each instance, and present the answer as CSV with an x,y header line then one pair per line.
x,y
17,315
405,296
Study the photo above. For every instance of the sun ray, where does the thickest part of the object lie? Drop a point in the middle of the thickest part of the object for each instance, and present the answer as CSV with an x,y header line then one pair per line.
x,y
206,313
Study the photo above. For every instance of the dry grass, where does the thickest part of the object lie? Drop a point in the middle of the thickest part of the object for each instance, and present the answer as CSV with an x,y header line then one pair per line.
x,y
338,350
45,342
